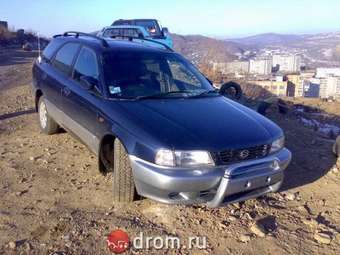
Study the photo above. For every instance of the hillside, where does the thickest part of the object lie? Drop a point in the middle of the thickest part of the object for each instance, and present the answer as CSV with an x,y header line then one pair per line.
x,y
201,50
267,39
316,49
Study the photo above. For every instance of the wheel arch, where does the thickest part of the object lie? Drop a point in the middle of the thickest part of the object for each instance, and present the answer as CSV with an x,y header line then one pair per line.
x,y
105,151
38,94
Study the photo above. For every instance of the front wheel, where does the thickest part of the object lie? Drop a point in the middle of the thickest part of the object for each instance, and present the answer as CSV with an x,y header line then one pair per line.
x,y
123,183
47,124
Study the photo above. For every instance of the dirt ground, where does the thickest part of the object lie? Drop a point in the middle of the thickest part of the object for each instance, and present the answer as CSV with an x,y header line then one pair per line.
x,y
55,201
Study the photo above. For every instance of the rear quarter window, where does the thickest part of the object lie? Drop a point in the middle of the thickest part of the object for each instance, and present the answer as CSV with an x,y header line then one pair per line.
x,y
64,58
51,48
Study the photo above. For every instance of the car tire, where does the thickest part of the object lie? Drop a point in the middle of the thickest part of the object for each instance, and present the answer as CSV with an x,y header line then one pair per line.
x,y
47,125
123,183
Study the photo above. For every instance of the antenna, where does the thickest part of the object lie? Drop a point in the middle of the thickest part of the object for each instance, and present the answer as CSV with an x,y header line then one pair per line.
x,y
39,49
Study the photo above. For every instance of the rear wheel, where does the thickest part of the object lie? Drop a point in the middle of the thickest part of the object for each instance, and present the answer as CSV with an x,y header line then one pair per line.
x,y
123,183
47,124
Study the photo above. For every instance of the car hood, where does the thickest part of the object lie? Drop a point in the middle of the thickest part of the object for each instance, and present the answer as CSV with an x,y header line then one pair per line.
x,y
207,123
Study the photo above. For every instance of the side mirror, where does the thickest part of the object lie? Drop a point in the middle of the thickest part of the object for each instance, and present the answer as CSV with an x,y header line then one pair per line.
x,y
88,82
165,31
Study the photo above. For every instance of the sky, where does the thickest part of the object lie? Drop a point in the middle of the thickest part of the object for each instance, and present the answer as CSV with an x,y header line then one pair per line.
x,y
216,18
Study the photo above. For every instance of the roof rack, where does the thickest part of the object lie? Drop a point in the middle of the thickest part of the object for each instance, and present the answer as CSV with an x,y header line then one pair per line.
x,y
131,38
77,34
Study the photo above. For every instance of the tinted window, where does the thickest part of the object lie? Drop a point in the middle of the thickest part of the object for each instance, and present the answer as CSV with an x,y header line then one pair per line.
x,y
51,49
86,65
64,58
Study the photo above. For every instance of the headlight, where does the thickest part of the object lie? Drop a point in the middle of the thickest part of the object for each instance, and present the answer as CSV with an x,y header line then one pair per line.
x,y
183,158
277,144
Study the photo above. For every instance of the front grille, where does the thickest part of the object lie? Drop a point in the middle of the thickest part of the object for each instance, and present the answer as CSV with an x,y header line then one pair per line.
x,y
237,155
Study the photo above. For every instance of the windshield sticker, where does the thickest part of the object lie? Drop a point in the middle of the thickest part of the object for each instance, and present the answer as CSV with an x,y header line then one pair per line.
x,y
114,90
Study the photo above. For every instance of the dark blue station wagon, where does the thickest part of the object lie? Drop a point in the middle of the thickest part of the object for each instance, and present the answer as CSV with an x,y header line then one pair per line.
x,y
156,122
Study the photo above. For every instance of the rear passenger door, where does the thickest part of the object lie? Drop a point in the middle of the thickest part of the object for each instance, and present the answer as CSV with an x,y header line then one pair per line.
x,y
56,77
82,106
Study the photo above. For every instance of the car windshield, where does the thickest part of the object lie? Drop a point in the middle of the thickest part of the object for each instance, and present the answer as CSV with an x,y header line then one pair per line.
x,y
150,26
121,32
139,75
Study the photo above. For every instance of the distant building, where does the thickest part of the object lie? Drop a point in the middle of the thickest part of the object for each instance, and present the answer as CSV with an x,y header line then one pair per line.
x,y
329,87
325,72
262,66
295,80
311,88
240,67
278,88
287,63
3,26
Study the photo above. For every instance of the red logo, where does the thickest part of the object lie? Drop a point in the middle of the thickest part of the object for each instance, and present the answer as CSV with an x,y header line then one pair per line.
x,y
118,241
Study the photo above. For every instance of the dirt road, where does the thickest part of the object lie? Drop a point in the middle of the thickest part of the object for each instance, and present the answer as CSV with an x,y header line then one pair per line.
x,y
55,201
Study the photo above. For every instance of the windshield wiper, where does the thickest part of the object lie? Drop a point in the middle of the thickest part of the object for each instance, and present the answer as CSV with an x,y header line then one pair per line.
x,y
206,92
164,94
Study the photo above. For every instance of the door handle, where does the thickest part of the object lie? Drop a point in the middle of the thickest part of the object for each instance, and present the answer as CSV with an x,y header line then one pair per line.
x,y
66,91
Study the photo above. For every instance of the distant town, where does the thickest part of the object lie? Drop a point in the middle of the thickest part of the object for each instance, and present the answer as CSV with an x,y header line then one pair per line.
x,y
284,75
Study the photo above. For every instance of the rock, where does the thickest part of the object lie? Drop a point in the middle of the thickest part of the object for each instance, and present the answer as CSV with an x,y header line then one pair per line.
x,y
28,247
244,238
334,170
232,218
310,222
290,196
323,238
12,245
32,158
19,193
258,230
264,226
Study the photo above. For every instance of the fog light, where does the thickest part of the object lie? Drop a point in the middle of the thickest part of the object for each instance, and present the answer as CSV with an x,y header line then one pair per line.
x,y
276,165
248,184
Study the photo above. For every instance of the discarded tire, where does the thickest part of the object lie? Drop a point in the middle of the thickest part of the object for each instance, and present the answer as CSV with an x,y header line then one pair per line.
x,y
231,90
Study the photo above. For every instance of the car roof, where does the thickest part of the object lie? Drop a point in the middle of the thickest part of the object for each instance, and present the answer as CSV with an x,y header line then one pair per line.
x,y
135,20
112,44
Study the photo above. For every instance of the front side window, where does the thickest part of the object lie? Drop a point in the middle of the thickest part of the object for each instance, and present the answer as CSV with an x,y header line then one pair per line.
x,y
86,65
65,56
139,74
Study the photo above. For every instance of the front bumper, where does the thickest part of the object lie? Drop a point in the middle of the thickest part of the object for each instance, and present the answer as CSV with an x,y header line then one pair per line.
x,y
214,186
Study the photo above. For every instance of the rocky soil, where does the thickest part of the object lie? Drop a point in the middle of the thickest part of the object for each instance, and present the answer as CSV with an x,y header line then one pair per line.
x,y
55,201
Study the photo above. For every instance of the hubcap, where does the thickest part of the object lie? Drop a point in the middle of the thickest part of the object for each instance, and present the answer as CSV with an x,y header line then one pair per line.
x,y
43,115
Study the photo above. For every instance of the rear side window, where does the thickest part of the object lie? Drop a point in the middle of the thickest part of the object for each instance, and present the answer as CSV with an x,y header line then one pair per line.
x,y
65,56
51,48
86,65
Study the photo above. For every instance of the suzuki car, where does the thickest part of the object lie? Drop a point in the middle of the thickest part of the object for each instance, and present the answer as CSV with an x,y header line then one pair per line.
x,y
156,123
